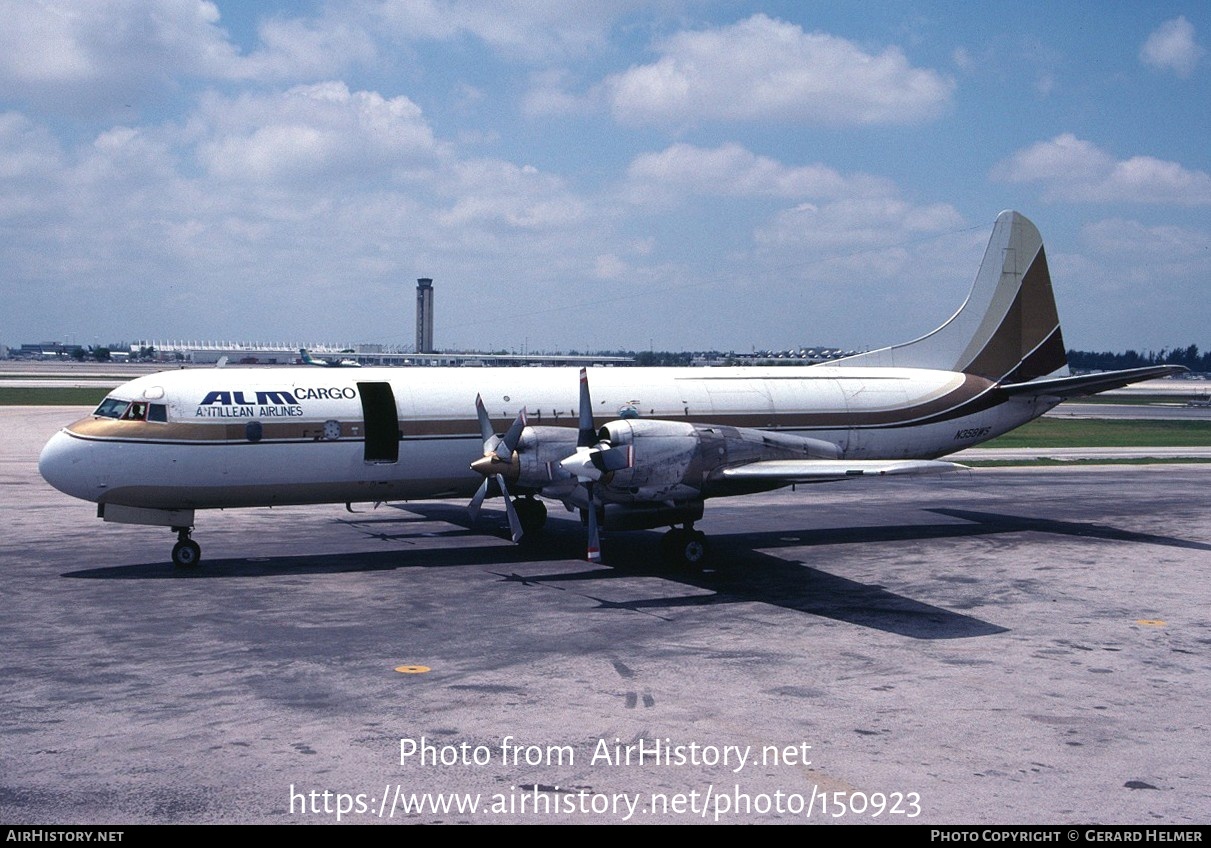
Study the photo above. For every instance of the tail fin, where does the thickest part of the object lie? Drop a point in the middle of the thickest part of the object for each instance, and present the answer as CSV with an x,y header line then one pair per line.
x,y
1007,330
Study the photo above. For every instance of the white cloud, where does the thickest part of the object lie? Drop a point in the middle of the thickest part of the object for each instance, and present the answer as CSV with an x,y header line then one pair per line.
x,y
109,54
858,223
25,148
1172,47
867,271
1143,283
292,49
531,30
608,266
489,191
312,130
1071,169
731,170
79,54
1118,237
764,69
549,95
832,239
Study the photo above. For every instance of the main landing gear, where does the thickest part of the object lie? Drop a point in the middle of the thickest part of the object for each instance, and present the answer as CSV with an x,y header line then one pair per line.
x,y
186,553
532,513
684,546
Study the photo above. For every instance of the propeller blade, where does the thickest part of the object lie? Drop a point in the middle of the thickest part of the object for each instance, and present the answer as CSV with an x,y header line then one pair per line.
x,y
478,500
509,442
594,551
586,436
514,521
612,459
485,424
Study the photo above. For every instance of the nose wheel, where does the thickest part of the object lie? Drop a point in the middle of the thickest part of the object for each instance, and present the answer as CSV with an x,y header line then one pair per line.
x,y
186,553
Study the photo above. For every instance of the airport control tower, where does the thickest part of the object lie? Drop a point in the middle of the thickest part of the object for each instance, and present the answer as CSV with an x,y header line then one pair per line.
x,y
424,315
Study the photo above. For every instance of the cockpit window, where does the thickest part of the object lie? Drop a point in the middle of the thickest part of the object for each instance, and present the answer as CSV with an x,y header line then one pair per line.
x,y
125,410
137,412
112,408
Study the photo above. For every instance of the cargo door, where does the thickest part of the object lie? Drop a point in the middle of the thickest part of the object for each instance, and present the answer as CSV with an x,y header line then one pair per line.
x,y
381,422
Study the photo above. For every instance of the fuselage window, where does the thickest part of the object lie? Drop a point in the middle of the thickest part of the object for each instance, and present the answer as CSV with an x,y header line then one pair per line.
x,y
157,412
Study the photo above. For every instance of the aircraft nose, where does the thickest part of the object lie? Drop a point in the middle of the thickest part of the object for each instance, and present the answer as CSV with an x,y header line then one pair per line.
x,y
67,465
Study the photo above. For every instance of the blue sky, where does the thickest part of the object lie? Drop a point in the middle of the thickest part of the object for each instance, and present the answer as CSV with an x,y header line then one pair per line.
x,y
588,175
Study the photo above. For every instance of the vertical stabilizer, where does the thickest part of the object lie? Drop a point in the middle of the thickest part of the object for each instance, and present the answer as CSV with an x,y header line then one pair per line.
x,y
1007,330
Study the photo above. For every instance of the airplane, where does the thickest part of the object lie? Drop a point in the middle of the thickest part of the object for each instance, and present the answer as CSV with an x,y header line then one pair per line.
x,y
633,448
308,359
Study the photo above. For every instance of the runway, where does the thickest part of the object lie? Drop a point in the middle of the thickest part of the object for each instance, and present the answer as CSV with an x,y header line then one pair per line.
x,y
1005,646
1138,412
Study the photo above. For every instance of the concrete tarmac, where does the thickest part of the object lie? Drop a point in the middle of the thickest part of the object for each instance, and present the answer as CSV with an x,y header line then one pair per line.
x,y
997,647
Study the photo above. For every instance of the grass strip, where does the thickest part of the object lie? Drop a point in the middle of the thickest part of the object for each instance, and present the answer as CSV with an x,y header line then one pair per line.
x,y
1105,433
47,396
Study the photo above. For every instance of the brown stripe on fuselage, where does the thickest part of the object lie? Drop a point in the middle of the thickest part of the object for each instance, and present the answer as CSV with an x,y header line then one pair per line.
x,y
217,432
987,399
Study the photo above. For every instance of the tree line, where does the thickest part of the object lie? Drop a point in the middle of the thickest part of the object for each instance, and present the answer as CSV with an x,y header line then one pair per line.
x,y
1190,357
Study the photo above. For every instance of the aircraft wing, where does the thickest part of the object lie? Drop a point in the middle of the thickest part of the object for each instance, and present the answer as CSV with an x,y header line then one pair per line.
x,y
826,470
1090,384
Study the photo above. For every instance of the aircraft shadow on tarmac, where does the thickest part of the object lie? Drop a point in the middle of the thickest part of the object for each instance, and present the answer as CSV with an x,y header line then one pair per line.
x,y
743,573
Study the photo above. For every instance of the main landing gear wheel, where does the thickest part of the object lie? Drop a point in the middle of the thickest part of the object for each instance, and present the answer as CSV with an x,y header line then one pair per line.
x,y
186,553
532,513
685,547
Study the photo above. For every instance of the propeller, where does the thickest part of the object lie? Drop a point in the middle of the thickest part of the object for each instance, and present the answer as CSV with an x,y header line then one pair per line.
x,y
594,458
497,459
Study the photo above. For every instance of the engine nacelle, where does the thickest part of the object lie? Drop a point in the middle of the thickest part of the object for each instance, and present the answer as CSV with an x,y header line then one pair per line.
x,y
665,462
539,452
675,460
671,461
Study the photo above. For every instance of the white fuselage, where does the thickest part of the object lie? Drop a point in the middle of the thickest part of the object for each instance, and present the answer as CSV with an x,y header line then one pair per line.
x,y
235,437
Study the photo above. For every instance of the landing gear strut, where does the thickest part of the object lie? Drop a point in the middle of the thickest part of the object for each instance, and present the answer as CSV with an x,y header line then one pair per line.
x,y
186,553
684,546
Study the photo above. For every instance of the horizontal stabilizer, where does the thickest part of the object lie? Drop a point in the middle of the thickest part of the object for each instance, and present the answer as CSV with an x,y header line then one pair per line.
x,y
826,470
1089,384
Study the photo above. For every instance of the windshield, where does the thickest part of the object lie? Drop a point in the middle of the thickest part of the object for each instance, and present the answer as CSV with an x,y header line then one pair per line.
x,y
126,410
112,408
